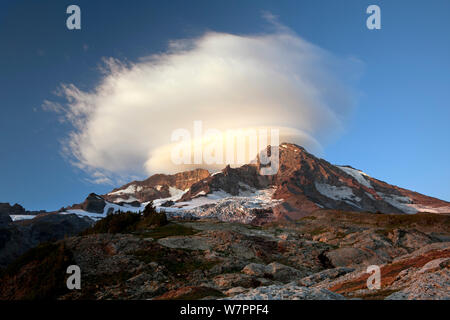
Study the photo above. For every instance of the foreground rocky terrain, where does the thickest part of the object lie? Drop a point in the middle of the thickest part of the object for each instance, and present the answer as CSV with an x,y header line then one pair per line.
x,y
320,256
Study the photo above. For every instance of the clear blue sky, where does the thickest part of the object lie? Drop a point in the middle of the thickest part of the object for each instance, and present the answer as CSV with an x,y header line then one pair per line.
x,y
399,131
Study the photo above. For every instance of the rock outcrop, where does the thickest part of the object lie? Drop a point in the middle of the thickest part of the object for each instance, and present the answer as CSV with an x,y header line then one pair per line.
x,y
93,203
157,186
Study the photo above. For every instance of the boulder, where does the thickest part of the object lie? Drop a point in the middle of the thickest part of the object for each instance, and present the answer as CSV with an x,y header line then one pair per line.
x,y
255,269
230,280
348,256
274,270
283,273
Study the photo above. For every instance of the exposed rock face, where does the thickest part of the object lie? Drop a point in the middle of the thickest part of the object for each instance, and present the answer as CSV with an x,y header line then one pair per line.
x,y
157,186
93,203
6,208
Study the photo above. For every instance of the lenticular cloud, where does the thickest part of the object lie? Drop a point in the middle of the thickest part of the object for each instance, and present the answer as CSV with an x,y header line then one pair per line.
x,y
124,125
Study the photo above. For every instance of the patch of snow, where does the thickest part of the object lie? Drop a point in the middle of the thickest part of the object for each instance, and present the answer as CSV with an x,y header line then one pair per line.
x,y
175,194
113,207
400,202
336,193
201,193
130,199
422,208
406,204
18,217
358,175
131,189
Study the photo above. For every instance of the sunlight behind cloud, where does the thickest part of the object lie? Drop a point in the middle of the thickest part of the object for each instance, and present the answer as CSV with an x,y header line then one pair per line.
x,y
278,80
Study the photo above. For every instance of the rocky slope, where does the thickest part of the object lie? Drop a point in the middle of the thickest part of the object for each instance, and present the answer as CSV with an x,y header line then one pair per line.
x,y
321,256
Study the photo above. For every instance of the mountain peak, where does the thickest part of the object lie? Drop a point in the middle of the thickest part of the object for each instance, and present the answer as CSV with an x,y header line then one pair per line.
x,y
302,184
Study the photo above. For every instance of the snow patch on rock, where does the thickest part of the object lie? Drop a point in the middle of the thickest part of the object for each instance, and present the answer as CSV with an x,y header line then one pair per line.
x,y
400,202
357,174
336,193
18,217
131,189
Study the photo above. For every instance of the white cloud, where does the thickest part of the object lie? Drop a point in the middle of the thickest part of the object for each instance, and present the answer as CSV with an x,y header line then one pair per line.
x,y
124,125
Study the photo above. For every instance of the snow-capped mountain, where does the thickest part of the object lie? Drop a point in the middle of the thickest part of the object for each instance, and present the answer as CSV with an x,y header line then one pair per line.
x,y
304,183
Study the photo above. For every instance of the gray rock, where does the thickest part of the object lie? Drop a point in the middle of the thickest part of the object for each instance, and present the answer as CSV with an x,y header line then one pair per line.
x,y
230,280
283,273
254,269
328,274
288,291
275,270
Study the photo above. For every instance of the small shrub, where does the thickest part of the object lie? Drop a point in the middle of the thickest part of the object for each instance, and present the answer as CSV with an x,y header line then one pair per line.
x,y
121,222
129,222
151,218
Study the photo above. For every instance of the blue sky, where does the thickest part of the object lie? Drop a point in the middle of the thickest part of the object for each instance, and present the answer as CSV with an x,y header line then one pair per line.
x,y
398,131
